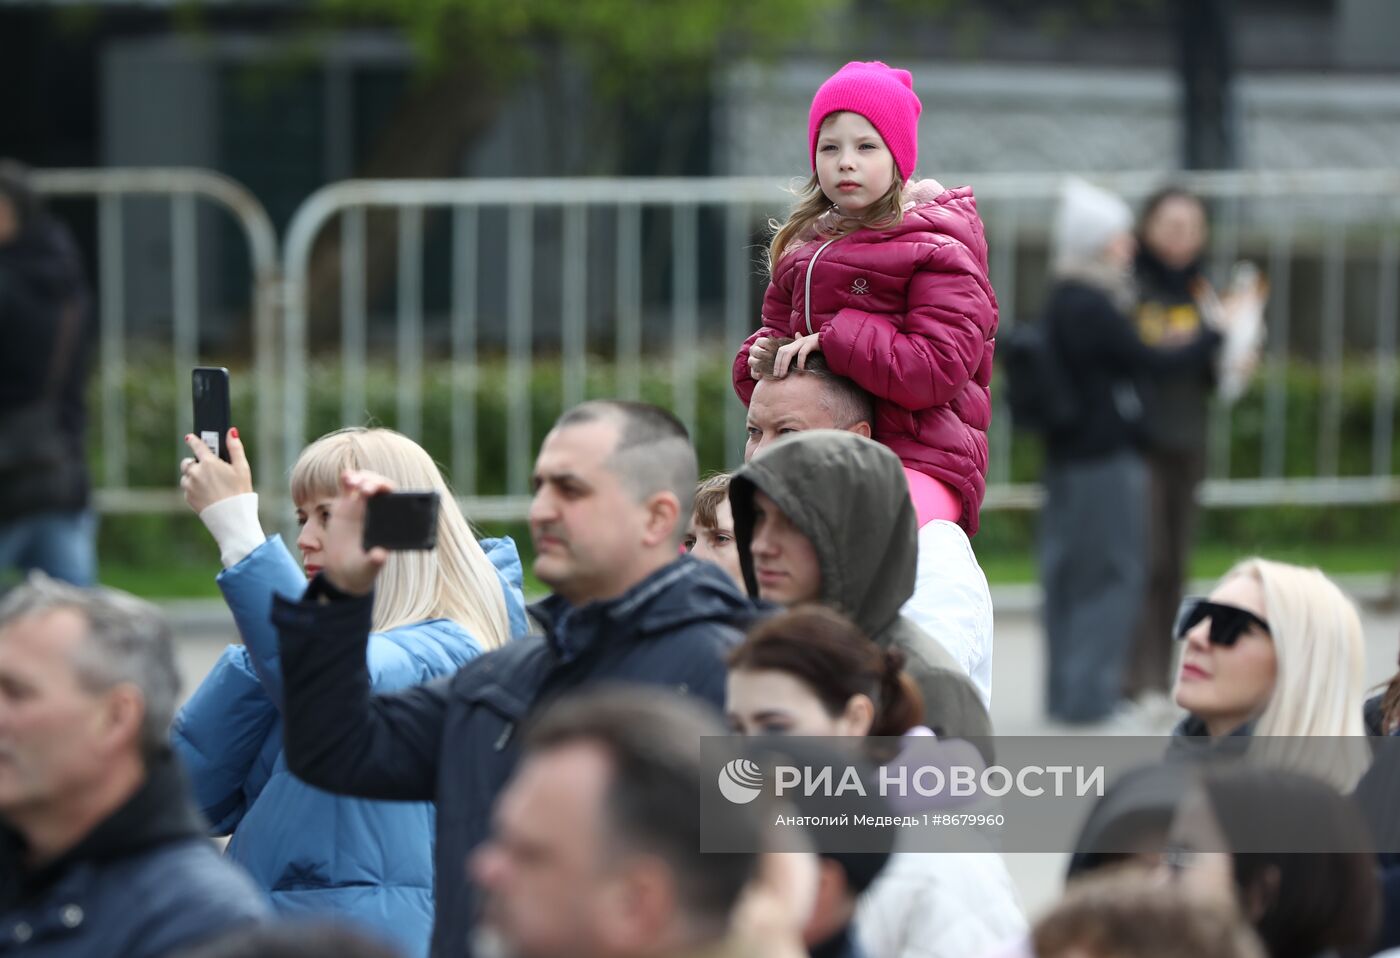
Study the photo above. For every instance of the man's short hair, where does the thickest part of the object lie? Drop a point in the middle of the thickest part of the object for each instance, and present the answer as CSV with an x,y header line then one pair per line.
x,y
653,452
848,404
127,641
712,491
653,741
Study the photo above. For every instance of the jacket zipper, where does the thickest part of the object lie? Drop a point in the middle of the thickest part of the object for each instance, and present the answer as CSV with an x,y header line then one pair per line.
x,y
807,294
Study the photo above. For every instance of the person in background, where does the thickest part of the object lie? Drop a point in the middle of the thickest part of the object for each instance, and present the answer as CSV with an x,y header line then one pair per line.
x,y
710,536
1275,652
101,851
1288,851
810,671
46,522
1171,238
1092,524
318,854
595,848
1135,916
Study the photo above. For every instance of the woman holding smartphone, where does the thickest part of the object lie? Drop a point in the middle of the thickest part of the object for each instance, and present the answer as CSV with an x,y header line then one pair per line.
x,y
370,862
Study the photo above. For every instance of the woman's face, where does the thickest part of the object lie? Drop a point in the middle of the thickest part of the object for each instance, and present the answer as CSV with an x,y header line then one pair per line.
x,y
1176,233
768,702
1197,852
312,517
1227,686
716,543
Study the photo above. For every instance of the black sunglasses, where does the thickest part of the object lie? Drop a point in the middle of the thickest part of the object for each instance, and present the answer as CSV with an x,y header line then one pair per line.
x,y
1227,622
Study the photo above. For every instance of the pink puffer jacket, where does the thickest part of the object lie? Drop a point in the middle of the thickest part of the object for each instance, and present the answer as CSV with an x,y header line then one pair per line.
x,y
908,313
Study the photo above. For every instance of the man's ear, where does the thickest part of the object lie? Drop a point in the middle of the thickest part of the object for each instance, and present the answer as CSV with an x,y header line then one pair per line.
x,y
638,903
663,518
861,428
123,714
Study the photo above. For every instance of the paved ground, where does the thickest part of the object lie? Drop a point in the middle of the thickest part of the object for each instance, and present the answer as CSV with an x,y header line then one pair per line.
x,y
1016,701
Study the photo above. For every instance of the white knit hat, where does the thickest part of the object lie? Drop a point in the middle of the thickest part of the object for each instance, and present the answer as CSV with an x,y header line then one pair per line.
x,y
1087,219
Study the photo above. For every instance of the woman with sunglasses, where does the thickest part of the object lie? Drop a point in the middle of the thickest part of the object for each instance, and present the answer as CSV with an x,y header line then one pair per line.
x,y
1275,650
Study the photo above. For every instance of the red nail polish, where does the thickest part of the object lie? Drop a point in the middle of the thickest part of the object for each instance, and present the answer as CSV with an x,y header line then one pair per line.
x,y
233,432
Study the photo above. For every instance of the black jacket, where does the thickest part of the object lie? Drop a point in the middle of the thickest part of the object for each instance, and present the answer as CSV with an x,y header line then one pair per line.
x,y
144,883
1175,401
1102,354
41,277
454,741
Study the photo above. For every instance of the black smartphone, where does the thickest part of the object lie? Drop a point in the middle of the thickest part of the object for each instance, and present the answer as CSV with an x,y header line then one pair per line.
x,y
403,521
211,408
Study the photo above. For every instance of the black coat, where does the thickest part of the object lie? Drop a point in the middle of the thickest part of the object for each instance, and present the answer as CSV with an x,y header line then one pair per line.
x,y
143,884
455,741
41,278
1102,354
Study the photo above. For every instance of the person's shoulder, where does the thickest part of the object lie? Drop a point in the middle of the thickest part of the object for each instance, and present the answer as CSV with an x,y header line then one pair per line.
x,y
184,892
419,651
695,596
187,876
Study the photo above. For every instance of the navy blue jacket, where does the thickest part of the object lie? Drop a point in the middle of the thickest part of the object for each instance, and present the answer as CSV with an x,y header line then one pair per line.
x,y
454,740
142,884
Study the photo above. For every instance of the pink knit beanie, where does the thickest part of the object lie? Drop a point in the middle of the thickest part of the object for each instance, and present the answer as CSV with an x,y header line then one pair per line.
x,y
881,94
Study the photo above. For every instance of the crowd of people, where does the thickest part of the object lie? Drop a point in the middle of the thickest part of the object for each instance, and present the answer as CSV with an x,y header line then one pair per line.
x,y
408,760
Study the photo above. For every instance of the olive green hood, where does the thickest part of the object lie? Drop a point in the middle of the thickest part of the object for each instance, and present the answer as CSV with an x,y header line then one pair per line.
x,y
848,495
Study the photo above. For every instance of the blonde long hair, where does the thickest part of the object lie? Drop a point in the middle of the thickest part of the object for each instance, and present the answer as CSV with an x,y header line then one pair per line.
x,y
813,215
453,581
1321,654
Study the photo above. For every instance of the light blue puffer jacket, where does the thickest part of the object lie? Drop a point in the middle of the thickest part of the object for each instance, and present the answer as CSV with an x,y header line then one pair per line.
x,y
370,862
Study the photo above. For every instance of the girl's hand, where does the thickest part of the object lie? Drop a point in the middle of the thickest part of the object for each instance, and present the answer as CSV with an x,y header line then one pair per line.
x,y
207,479
760,355
795,353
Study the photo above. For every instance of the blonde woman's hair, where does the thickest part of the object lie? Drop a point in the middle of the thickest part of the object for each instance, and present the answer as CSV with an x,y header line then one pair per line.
x,y
453,581
1320,688
816,216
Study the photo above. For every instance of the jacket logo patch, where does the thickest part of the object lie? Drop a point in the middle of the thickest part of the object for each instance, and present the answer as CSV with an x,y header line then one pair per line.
x,y
860,286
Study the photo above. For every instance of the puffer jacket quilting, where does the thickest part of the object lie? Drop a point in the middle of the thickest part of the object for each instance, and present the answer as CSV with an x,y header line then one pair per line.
x,y
312,851
909,314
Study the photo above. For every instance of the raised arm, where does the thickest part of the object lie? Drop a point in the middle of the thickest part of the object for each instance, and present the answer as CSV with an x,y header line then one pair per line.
x,y
337,734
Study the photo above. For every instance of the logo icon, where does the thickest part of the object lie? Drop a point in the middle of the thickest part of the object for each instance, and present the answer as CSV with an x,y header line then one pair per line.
x,y
740,781
860,286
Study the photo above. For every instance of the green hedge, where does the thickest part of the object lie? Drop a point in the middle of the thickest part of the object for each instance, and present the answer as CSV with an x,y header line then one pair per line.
x,y
178,543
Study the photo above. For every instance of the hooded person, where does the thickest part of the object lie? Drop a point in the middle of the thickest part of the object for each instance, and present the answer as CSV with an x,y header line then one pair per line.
x,y
847,537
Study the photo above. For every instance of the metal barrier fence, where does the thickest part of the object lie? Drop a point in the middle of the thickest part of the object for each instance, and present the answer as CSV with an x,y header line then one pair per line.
x,y
183,189
680,262
1334,218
